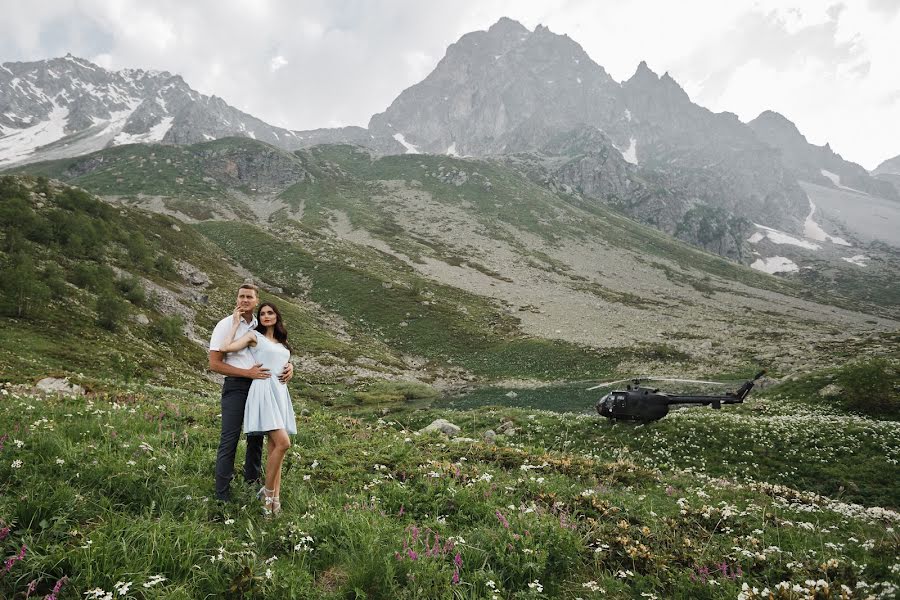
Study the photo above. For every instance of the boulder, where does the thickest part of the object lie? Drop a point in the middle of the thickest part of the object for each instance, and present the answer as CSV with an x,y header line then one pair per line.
x,y
199,278
442,425
831,390
489,436
56,385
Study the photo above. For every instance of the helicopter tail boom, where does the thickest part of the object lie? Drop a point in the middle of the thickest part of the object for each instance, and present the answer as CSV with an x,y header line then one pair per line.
x,y
716,401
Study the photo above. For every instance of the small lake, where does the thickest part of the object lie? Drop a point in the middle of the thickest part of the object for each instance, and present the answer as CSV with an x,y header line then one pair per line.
x,y
564,397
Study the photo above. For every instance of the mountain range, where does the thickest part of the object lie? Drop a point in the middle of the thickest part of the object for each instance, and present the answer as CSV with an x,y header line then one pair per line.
x,y
533,99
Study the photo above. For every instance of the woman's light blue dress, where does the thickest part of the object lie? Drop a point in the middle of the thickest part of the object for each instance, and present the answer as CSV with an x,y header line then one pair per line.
x,y
268,401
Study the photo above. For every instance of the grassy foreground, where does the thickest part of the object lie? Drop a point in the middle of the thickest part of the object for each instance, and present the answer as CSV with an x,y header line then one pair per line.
x,y
109,496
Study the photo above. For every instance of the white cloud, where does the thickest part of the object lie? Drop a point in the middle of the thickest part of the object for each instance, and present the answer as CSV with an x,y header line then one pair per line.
x,y
277,62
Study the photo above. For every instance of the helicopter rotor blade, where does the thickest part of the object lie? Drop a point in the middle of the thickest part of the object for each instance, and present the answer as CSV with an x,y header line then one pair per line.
x,y
609,383
681,380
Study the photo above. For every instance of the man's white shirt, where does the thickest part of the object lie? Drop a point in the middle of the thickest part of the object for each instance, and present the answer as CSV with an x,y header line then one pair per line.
x,y
242,359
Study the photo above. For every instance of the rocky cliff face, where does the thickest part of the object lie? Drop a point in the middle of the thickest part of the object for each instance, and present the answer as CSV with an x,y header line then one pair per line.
x,y
816,164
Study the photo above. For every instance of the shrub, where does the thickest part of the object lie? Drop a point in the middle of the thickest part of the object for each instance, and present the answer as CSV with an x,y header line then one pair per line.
x,y
93,277
111,310
168,329
56,281
132,290
165,266
871,387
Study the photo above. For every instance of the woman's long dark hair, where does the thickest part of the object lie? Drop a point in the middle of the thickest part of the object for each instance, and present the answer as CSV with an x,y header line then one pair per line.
x,y
279,329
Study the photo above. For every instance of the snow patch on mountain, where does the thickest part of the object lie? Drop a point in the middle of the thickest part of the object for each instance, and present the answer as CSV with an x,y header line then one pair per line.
x,y
836,180
859,260
630,153
154,134
451,150
814,231
20,143
410,148
775,264
780,237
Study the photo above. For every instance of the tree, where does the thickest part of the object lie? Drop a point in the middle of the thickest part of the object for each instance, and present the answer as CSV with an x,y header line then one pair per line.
x,y
23,291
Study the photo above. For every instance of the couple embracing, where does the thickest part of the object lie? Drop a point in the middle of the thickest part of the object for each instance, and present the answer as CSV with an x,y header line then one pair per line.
x,y
248,349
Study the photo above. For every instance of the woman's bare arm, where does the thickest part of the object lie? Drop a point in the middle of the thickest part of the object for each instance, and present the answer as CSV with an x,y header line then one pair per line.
x,y
248,339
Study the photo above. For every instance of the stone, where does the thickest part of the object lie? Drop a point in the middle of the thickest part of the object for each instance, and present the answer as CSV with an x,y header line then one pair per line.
x,y
304,412
141,319
199,278
489,436
442,425
511,394
59,386
463,440
831,390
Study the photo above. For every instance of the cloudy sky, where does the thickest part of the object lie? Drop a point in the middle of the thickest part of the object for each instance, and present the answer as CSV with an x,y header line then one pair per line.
x,y
829,66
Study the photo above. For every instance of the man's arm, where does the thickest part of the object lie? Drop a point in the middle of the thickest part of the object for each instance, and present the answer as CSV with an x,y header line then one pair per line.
x,y
217,364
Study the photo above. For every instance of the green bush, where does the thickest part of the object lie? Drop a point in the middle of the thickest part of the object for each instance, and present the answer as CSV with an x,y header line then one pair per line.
x,y
132,290
55,280
93,277
168,329
165,266
138,251
111,310
871,387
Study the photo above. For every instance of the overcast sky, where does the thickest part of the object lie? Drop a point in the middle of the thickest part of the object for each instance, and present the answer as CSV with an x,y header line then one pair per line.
x,y
829,66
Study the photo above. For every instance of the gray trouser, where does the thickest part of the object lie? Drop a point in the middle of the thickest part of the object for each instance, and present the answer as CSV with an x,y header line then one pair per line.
x,y
234,397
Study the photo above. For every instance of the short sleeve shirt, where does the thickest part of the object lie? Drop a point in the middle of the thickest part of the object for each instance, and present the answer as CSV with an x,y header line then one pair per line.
x,y
241,359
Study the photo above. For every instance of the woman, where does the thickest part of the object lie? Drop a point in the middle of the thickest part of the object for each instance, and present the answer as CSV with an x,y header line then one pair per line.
x,y
268,409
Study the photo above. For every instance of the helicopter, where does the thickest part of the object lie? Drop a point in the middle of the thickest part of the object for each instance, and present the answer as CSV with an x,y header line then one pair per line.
x,y
645,405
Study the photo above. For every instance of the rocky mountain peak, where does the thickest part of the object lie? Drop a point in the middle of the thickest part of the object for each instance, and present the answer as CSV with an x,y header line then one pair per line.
x,y
507,26
770,124
643,74
500,90
891,165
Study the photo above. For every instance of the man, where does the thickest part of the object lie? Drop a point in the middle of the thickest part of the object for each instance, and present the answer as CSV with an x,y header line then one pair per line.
x,y
239,370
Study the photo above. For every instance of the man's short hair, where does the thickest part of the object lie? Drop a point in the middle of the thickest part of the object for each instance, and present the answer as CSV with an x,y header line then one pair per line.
x,y
249,286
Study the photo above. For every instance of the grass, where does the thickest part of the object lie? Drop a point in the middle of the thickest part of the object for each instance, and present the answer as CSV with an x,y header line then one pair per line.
x,y
114,489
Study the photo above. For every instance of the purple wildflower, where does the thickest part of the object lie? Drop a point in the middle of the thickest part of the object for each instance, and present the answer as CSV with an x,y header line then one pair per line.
x,y
502,519
3,533
455,579
457,560
56,588
14,559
